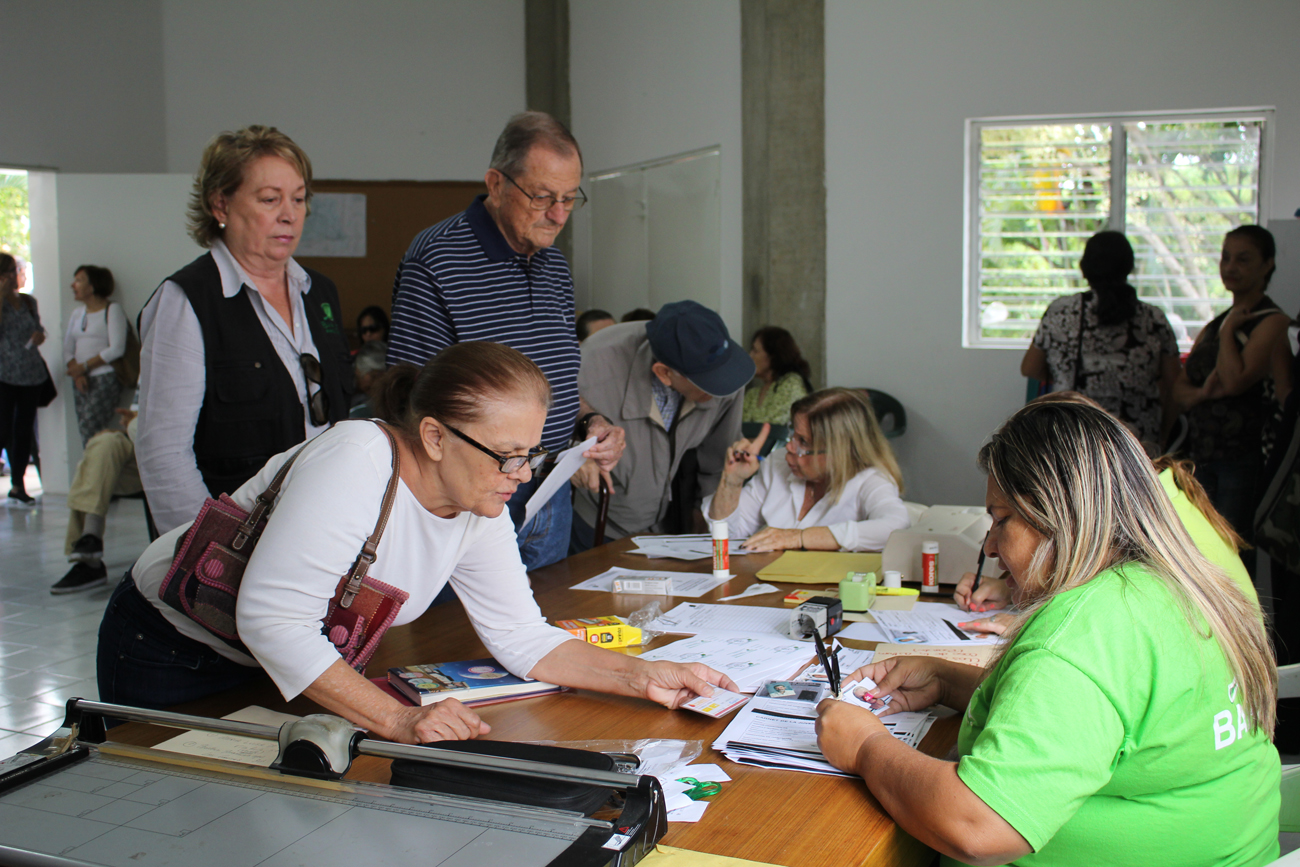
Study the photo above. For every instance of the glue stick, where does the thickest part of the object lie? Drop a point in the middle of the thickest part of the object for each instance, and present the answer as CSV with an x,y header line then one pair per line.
x,y
929,567
721,550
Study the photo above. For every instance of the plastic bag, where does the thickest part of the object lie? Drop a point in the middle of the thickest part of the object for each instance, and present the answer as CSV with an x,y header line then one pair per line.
x,y
655,756
642,618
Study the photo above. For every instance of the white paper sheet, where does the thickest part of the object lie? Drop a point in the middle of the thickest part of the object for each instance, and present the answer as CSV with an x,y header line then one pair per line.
x,y
753,590
749,660
692,585
690,546
932,623
232,748
692,618
565,466
693,813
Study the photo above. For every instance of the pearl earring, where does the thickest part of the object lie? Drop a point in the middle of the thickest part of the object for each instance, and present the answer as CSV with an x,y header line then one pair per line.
x,y
221,225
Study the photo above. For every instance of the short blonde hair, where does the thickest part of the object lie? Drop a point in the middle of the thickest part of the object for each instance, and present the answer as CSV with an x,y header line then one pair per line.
x,y
221,171
844,426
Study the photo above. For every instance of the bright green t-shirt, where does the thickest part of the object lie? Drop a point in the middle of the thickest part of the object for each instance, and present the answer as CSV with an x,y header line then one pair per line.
x,y
1207,539
1110,733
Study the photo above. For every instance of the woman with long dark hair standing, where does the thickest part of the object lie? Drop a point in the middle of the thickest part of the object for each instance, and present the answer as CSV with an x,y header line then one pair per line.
x,y
1110,346
781,373
22,372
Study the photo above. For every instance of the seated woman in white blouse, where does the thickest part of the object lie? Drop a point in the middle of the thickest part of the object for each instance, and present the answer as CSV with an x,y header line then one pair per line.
x,y
467,431
838,488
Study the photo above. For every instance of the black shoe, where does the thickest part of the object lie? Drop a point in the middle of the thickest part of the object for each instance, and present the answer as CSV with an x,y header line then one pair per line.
x,y
88,549
21,498
81,577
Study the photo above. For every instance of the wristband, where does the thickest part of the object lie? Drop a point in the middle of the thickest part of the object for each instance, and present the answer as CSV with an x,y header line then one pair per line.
x,y
580,429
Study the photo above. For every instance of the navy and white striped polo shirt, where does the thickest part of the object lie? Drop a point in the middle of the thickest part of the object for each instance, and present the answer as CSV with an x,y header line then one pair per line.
x,y
461,281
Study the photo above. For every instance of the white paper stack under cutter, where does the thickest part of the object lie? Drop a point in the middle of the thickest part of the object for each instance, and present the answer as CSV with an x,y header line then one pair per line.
x,y
74,800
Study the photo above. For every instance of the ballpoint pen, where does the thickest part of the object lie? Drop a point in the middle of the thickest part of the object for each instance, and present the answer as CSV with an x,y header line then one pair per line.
x,y
832,672
979,565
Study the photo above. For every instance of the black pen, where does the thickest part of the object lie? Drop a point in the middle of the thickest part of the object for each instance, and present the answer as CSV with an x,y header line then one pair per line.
x,y
831,675
979,565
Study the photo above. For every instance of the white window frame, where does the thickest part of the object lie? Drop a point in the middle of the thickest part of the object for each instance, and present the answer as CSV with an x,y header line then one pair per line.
x,y
971,337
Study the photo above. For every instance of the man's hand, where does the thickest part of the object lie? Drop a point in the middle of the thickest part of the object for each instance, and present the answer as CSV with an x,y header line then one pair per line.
x,y
588,476
610,443
743,457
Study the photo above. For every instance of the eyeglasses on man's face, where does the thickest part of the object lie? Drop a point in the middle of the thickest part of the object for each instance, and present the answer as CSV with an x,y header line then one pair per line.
x,y
507,463
545,203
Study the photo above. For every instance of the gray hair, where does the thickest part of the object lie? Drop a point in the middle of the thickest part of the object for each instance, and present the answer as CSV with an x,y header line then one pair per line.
x,y
371,357
527,130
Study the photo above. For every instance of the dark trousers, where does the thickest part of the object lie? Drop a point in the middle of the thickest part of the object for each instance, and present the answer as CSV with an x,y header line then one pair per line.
x,y
143,661
17,427
1232,484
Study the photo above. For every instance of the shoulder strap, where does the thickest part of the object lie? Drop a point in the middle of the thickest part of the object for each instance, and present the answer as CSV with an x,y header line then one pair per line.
x,y
1078,355
265,502
352,580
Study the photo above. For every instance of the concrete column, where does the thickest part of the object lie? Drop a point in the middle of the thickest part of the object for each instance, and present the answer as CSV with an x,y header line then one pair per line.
x,y
783,126
546,67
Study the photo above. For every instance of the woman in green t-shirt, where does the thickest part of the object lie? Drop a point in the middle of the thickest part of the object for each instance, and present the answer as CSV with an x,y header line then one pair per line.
x,y
1127,720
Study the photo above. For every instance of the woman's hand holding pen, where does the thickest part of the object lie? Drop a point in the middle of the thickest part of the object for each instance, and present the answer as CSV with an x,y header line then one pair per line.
x,y
743,457
992,593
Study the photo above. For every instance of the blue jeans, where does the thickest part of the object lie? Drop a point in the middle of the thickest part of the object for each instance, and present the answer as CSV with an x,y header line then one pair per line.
x,y
143,661
546,538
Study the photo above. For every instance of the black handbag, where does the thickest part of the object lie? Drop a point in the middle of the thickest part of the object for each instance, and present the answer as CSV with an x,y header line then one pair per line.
x,y
500,786
46,392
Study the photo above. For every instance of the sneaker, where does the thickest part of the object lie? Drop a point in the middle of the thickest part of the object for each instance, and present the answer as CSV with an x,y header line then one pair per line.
x,y
81,577
88,549
21,498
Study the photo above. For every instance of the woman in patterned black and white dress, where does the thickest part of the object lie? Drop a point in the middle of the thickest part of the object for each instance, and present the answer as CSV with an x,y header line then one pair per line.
x,y
22,372
1110,346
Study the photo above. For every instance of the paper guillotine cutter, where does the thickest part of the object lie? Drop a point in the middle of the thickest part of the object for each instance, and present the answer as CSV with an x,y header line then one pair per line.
x,y
74,800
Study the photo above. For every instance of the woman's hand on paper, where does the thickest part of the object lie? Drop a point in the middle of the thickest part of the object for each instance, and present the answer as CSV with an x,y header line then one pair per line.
x,y
673,683
993,593
448,720
998,624
843,729
773,539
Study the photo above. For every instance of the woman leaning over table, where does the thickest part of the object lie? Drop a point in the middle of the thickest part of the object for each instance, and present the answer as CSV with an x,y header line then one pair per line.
x,y
242,351
96,337
838,487
467,429
1128,719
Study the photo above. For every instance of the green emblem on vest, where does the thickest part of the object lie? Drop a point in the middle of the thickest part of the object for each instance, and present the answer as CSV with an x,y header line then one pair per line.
x,y
328,322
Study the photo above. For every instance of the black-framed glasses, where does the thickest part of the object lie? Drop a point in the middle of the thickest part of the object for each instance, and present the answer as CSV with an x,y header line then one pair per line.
x,y
545,203
507,463
318,404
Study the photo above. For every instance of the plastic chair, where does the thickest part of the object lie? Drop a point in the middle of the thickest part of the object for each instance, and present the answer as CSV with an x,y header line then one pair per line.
x,y
889,412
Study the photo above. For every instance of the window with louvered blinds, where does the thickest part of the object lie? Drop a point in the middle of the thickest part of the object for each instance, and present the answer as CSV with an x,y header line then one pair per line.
x,y
1038,189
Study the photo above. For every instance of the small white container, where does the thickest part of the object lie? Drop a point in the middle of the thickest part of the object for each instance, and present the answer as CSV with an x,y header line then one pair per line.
x,y
893,578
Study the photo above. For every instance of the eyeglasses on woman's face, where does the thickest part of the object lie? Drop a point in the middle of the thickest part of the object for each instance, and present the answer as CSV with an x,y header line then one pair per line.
x,y
800,447
507,463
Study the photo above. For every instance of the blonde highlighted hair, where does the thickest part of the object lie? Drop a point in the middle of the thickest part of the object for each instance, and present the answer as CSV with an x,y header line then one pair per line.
x,y
1078,477
844,426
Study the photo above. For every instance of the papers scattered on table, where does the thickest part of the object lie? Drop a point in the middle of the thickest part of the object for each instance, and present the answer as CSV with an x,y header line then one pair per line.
x,y
752,590
693,618
850,661
692,546
566,464
780,733
232,748
979,655
932,623
749,660
679,805
689,584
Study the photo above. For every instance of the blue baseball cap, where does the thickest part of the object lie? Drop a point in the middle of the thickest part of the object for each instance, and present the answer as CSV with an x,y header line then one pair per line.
x,y
693,340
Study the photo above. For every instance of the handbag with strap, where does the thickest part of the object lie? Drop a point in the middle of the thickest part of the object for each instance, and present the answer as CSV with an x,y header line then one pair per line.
x,y
206,572
127,367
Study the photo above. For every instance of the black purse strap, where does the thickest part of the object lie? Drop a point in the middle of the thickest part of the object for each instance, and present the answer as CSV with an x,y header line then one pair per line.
x,y
1078,352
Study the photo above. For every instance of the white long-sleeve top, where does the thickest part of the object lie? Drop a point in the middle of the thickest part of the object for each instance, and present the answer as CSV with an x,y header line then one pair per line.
x,y
173,378
867,511
102,333
327,508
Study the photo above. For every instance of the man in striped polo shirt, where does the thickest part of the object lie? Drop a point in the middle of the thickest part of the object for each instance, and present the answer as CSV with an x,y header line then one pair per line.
x,y
491,273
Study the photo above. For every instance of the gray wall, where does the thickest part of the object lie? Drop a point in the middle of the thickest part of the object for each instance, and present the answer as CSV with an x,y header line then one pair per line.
x,y
901,79
84,85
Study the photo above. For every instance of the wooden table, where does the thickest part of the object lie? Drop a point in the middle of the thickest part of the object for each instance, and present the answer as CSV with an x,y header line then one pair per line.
x,y
765,815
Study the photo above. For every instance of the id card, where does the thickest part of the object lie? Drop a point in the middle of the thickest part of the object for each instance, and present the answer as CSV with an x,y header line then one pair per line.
x,y
721,703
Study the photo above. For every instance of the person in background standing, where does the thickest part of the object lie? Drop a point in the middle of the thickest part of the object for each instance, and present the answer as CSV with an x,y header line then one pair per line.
x,y
242,351
96,337
491,273
22,373
781,373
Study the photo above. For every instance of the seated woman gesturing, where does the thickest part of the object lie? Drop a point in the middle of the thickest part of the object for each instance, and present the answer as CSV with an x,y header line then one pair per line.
x,y
1128,720
838,487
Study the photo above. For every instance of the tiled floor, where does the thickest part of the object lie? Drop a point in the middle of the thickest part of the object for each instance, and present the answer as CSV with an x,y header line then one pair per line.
x,y
47,643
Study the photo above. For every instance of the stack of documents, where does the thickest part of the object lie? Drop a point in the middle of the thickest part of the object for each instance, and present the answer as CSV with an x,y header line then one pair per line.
x,y
932,623
698,618
781,733
749,660
693,546
689,584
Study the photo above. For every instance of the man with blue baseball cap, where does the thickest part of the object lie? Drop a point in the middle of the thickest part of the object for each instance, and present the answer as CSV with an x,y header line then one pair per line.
x,y
673,384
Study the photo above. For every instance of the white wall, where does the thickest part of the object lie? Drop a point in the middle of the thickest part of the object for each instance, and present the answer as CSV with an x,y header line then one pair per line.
x,y
901,79
648,80
84,87
388,89
133,225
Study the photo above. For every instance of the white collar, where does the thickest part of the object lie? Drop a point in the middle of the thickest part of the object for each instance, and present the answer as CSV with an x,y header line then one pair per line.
x,y
233,276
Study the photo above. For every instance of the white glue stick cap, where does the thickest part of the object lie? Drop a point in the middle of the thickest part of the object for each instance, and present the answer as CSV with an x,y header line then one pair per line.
x,y
720,530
